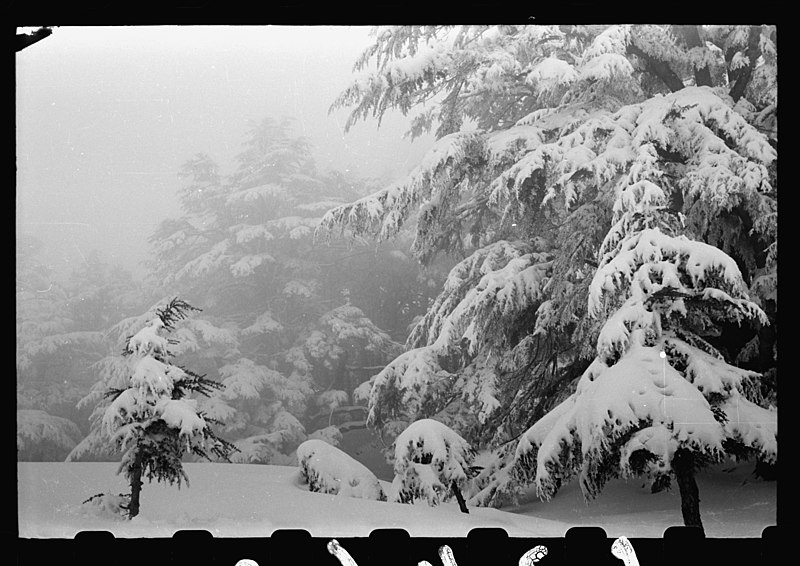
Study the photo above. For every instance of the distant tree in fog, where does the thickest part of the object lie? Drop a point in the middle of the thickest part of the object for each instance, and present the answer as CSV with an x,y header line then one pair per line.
x,y
61,329
556,144
44,438
102,293
242,249
41,302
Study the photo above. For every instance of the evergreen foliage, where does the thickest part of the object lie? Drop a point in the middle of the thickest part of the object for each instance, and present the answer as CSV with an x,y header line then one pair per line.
x,y
280,328
43,437
609,191
61,332
146,411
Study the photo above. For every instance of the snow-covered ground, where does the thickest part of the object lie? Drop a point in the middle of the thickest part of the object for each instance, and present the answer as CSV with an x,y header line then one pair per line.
x,y
238,500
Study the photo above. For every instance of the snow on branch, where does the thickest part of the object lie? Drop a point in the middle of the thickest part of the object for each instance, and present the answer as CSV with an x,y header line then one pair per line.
x,y
479,298
460,282
639,403
205,263
384,212
245,379
650,261
413,379
710,374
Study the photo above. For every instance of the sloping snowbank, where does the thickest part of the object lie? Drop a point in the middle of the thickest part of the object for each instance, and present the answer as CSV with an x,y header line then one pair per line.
x,y
239,500
326,469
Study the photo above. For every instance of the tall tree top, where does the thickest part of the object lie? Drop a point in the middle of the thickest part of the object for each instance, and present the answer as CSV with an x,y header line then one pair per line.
x,y
493,76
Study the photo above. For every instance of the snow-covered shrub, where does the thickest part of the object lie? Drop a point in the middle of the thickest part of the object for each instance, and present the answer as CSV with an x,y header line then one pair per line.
x,y
44,437
326,469
431,462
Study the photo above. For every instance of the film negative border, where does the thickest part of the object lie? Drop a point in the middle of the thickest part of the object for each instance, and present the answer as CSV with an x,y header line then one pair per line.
x,y
684,546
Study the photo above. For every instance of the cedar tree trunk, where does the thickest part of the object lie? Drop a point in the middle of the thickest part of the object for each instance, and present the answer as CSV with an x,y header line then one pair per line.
x,y
683,465
136,484
460,498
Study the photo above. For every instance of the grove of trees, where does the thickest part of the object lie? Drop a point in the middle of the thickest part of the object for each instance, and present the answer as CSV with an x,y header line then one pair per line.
x,y
286,327
61,333
281,328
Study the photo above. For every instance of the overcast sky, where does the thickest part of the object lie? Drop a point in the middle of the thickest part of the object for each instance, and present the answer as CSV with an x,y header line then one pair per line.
x,y
107,115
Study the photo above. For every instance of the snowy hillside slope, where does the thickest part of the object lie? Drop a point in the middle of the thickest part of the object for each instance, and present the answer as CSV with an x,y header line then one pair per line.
x,y
245,500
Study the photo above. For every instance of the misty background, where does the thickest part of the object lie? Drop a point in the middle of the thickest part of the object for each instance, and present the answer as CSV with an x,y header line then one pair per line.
x,y
106,116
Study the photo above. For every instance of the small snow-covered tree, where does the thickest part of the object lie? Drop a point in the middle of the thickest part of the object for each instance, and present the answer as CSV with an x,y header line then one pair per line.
x,y
326,469
431,462
62,327
145,411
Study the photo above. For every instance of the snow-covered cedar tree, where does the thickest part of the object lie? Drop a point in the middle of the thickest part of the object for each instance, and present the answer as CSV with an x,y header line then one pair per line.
x,y
431,462
43,437
326,469
242,249
576,127
659,400
145,411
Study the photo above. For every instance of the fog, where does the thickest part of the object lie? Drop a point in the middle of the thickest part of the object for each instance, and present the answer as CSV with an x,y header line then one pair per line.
x,y
107,115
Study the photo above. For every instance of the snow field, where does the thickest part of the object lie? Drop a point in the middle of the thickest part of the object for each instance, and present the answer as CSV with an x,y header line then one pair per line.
x,y
245,500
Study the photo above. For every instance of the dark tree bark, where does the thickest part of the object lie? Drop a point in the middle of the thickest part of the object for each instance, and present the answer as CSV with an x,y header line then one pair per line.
x,y
659,68
460,498
683,465
691,36
136,485
740,78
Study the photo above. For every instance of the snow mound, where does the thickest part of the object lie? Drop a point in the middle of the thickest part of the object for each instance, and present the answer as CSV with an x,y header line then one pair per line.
x,y
105,506
327,469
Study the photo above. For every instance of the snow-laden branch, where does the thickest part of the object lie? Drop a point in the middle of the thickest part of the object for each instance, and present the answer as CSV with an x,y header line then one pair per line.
x,y
641,403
